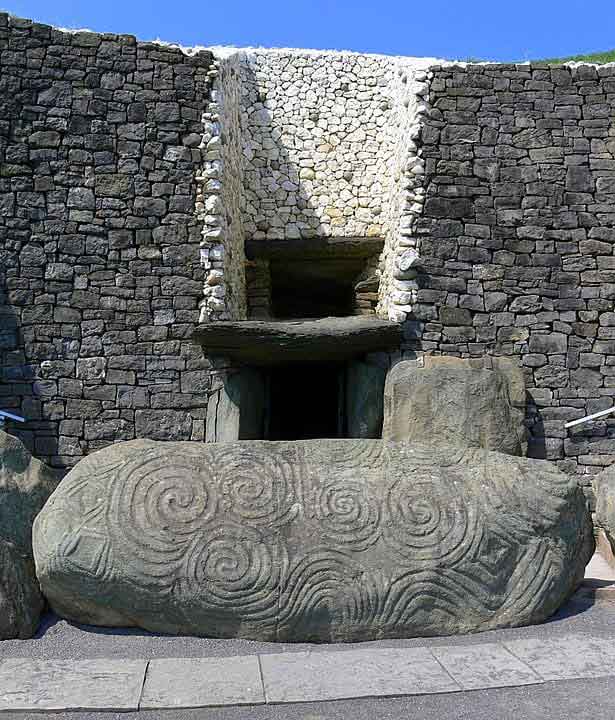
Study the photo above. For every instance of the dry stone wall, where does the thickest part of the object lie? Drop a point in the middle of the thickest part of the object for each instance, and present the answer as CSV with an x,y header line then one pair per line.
x,y
100,274
518,234
132,173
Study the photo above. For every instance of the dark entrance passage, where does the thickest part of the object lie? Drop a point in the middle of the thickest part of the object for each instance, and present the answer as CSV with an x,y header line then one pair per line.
x,y
305,402
314,289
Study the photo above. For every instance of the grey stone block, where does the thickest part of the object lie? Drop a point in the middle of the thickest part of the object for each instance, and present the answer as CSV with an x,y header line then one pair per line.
x,y
567,658
579,179
548,343
449,401
163,424
25,485
488,665
320,676
56,685
202,682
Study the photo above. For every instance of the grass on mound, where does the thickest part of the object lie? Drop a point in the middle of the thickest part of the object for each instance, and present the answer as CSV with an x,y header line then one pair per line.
x,y
599,57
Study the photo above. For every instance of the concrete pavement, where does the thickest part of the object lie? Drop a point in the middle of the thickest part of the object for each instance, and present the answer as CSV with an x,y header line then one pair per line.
x,y
90,669
118,684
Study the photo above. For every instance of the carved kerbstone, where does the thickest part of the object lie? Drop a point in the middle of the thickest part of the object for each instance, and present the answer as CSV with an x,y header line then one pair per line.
x,y
322,540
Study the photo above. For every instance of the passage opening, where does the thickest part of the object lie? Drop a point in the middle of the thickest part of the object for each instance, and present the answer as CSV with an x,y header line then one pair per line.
x,y
314,288
305,402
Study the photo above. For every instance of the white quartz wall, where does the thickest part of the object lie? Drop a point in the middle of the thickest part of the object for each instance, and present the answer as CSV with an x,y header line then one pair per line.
x,y
221,197
406,171
304,144
316,143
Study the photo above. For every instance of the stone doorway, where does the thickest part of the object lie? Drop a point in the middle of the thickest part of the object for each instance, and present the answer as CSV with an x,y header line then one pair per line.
x,y
305,402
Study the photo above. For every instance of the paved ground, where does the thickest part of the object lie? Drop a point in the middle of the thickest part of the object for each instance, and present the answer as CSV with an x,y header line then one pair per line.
x,y
585,617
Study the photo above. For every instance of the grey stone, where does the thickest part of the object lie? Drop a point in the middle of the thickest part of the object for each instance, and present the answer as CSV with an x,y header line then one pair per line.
x,y
485,666
236,410
579,179
439,207
82,198
263,343
25,485
449,401
163,424
111,185
54,685
323,540
202,682
147,206
364,399
91,369
606,185
566,658
604,490
317,676
45,139
548,343
455,316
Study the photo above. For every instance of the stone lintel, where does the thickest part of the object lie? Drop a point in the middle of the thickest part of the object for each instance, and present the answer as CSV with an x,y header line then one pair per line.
x,y
314,248
266,343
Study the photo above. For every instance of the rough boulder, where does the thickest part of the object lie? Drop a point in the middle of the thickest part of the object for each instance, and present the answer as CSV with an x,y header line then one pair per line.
x,y
450,401
25,485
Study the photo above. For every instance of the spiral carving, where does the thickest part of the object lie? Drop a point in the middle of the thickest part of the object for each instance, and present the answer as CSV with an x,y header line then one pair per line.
x,y
158,504
258,487
349,514
288,541
236,569
428,519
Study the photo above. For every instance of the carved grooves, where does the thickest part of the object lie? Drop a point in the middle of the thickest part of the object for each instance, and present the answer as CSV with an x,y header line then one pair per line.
x,y
365,538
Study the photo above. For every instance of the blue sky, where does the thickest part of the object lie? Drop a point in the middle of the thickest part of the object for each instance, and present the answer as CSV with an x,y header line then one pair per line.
x,y
460,29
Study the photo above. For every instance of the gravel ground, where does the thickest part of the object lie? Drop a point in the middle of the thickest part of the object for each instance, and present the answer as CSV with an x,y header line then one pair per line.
x,y
59,639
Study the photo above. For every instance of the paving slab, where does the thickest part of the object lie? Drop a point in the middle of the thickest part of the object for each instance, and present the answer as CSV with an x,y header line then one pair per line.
x,y
310,677
567,658
202,682
485,666
52,685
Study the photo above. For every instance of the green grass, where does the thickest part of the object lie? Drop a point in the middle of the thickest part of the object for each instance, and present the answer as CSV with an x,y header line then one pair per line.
x,y
599,57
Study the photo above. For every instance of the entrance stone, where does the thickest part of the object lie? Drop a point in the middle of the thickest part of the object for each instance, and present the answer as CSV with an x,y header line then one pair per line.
x,y
25,485
321,540
450,401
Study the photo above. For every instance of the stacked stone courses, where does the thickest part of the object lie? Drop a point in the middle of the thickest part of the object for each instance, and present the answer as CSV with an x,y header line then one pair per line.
x,y
132,173
101,277
518,236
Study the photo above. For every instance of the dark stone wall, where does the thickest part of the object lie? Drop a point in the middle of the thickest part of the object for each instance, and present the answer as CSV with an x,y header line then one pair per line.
x,y
100,275
518,236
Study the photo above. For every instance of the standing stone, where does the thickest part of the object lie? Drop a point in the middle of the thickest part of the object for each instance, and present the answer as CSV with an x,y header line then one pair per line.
x,y
604,489
319,540
364,397
25,485
449,401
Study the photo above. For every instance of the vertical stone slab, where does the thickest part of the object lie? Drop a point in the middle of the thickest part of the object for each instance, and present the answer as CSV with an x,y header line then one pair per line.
x,y
364,399
236,409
